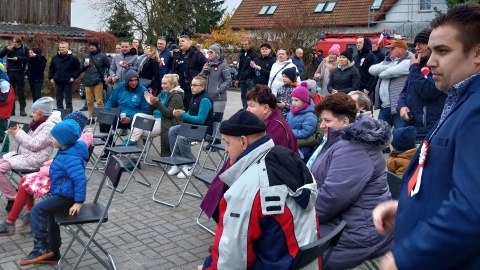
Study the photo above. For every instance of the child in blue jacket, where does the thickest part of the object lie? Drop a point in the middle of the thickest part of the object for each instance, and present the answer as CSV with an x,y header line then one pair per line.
x,y
68,190
301,118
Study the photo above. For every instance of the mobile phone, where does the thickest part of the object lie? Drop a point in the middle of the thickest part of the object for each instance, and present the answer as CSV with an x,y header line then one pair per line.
x,y
410,115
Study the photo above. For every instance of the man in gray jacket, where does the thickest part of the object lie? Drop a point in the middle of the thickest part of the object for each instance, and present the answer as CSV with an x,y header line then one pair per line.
x,y
392,74
121,63
95,65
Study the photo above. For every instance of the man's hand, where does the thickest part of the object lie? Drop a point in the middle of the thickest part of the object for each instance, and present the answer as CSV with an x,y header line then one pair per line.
x,y
125,120
281,105
384,216
404,113
10,47
334,91
75,209
86,63
388,262
416,59
236,84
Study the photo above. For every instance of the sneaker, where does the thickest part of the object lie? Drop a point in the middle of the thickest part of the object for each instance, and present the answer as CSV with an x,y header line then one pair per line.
x,y
9,206
36,256
174,170
7,228
194,143
187,170
104,155
25,222
129,143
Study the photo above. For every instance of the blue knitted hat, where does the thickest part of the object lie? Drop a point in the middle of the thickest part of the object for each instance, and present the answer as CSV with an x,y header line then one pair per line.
x,y
66,132
78,117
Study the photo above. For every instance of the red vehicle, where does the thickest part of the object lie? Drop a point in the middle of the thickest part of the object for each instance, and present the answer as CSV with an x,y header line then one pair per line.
x,y
349,40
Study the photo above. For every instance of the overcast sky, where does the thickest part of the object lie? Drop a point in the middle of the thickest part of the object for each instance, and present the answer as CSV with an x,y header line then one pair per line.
x,y
85,17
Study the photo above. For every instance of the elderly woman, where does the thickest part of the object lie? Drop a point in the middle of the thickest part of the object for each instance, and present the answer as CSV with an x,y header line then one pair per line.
x,y
256,163
322,75
346,77
283,62
263,104
218,75
351,176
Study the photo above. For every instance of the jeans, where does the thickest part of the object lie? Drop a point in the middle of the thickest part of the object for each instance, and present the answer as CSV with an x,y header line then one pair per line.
x,y
392,120
36,89
244,87
45,230
183,145
62,90
17,81
94,93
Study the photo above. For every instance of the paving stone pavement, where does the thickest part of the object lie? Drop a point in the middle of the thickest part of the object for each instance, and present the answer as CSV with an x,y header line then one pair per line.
x,y
140,233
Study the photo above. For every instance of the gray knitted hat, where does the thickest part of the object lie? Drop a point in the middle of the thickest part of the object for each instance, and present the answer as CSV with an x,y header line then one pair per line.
x,y
44,105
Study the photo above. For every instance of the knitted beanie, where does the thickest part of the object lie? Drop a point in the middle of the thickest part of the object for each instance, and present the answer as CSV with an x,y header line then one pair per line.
x,y
216,48
78,117
301,92
347,55
335,49
66,132
423,36
404,138
312,87
291,73
242,123
44,105
94,43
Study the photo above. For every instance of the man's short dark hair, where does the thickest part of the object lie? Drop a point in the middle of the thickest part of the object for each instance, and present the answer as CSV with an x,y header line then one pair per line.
x,y
466,19
185,37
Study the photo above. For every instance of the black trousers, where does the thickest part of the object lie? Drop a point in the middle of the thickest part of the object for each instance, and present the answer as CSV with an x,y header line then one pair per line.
x,y
17,81
64,90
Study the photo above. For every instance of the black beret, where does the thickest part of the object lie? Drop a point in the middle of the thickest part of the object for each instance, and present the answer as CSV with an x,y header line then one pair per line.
x,y
242,123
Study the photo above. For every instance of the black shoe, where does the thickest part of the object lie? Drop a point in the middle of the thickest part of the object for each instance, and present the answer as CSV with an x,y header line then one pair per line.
x,y
104,155
9,206
84,109
22,112
36,256
91,121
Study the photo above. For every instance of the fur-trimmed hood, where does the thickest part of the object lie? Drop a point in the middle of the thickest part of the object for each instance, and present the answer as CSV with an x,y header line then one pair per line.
x,y
366,131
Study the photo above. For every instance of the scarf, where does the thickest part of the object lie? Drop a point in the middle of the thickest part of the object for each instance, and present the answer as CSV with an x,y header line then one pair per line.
x,y
35,124
299,109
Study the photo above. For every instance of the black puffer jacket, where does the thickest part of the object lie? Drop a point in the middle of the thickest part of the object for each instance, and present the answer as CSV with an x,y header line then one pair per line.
x,y
194,61
365,59
266,64
63,67
36,66
345,80
245,72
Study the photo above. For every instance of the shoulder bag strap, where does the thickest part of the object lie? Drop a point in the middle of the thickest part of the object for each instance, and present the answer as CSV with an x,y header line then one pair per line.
x,y
276,76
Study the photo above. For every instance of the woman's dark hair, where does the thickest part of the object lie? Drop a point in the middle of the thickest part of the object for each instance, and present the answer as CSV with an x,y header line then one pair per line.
x,y
37,51
340,104
263,95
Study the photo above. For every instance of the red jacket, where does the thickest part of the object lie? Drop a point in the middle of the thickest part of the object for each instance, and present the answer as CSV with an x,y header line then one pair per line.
x,y
6,103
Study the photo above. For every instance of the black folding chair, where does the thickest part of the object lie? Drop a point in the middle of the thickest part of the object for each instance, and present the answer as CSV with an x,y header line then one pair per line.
x,y
108,119
394,184
207,179
195,133
214,144
94,212
126,151
12,123
311,252
64,112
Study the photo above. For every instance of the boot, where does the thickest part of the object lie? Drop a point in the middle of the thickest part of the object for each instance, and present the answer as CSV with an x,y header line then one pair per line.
x,y
22,112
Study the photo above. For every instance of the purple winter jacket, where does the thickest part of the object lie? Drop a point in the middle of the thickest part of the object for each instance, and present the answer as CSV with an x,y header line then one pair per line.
x,y
351,175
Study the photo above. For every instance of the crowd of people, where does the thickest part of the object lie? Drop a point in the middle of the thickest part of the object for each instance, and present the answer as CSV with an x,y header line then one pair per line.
x,y
303,155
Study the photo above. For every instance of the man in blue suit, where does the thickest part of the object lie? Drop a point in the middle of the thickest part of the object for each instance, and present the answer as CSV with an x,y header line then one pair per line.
x,y
437,222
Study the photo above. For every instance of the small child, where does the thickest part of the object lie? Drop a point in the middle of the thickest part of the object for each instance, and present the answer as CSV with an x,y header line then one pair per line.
x,y
289,76
404,148
68,190
7,100
312,91
302,119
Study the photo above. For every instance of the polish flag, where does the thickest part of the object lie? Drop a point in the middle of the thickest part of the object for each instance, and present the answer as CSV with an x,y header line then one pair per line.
x,y
381,41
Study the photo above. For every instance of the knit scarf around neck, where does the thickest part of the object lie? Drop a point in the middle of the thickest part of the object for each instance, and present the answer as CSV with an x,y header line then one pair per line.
x,y
35,124
299,109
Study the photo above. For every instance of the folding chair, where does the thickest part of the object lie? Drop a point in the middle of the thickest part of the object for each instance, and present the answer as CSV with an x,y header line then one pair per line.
x,y
193,132
108,119
311,252
394,184
126,151
64,112
94,212
207,179
213,140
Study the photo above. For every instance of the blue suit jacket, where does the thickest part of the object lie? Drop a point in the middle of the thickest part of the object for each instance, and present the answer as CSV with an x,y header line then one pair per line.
x,y
439,228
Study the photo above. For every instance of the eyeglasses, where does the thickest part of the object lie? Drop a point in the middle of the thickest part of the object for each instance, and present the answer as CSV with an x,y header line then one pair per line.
x,y
195,85
210,52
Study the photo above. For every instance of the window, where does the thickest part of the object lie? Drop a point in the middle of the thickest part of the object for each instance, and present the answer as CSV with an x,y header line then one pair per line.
x,y
425,5
325,7
376,4
268,10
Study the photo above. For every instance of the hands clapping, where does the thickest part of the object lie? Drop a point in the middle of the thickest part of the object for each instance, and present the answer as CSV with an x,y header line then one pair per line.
x,y
151,99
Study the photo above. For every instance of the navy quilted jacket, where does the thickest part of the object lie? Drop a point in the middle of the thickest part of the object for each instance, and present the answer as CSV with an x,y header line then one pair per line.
x,y
68,172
